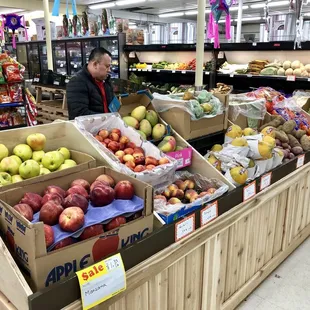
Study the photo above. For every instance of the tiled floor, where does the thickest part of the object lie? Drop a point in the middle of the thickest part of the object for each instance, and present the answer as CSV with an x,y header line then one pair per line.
x,y
287,288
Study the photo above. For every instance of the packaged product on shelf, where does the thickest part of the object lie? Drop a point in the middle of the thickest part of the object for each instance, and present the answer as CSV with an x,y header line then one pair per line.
x,y
2,79
11,72
16,92
125,150
4,94
187,193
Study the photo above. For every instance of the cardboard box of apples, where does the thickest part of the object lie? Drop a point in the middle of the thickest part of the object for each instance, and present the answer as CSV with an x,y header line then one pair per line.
x,y
30,162
125,150
56,227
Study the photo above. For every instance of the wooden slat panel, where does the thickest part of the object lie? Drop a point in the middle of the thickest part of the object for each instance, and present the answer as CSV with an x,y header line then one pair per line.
x,y
176,285
306,219
158,291
137,299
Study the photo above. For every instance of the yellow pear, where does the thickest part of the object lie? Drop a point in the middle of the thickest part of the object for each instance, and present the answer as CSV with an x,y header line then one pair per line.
x,y
234,131
216,148
239,142
239,174
265,149
214,162
269,131
251,163
249,132
270,140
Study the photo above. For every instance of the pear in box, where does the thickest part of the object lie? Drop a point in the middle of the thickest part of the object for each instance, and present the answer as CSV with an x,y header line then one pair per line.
x,y
139,113
131,121
168,144
159,131
146,127
152,117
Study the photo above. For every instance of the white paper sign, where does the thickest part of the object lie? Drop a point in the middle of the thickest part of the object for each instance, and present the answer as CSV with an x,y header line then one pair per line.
x,y
157,70
209,213
249,191
184,227
265,181
173,71
231,75
183,71
300,161
291,78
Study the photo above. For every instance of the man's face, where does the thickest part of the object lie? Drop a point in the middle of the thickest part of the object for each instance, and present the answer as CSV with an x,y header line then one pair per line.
x,y
102,67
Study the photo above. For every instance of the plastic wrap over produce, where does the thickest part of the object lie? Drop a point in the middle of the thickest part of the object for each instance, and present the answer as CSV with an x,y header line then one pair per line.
x,y
202,184
247,106
90,125
205,105
301,97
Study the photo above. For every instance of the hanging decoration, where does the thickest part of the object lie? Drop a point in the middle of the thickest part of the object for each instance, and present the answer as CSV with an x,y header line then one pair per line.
x,y
55,11
218,7
85,27
13,22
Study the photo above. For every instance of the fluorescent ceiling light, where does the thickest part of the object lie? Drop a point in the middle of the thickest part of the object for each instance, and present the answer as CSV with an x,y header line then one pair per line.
x,y
191,13
102,5
257,5
171,14
270,4
128,2
132,26
250,19
307,14
221,21
235,8
131,23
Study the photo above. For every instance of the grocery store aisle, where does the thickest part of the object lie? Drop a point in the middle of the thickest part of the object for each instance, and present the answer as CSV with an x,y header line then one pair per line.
x,y
287,288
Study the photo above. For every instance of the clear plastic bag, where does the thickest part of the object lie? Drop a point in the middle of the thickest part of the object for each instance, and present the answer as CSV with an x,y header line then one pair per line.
x,y
90,125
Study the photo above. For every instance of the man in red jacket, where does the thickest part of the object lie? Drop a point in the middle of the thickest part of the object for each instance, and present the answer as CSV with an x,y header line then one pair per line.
x,y
90,91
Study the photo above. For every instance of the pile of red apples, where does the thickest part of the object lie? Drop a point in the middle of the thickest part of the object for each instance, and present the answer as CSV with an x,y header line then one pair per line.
x,y
127,152
68,208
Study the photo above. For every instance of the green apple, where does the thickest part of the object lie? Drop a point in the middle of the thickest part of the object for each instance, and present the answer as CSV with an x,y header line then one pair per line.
x,y
52,160
38,155
70,162
5,178
23,151
17,178
4,152
44,171
65,152
36,141
18,160
9,165
29,169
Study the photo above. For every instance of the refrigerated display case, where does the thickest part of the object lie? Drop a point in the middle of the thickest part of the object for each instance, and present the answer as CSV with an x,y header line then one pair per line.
x,y
69,55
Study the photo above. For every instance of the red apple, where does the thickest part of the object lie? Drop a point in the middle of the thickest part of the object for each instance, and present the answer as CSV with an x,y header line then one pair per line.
x,y
49,235
121,146
139,150
92,231
124,190
103,133
124,140
139,159
150,167
130,145
63,243
81,182
77,189
128,157
149,160
76,200
128,151
163,161
55,189
98,183
33,200
130,164
113,146
101,195
107,179
114,136
119,154
104,144
120,158
139,168
116,222
98,138
71,219
104,246
53,196
117,131
25,210
107,141
50,212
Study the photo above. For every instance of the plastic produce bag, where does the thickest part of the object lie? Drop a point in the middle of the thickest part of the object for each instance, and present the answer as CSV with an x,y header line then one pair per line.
x,y
90,125
202,184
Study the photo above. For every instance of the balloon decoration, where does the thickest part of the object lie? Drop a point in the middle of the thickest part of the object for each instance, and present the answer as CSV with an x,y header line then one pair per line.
x,y
218,7
55,11
13,22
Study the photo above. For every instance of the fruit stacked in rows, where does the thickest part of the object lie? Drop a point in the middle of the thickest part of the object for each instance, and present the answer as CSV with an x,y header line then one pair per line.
x,y
29,160
68,208
183,191
127,152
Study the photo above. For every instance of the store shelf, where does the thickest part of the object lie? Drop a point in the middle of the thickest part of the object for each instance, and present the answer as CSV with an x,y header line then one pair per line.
x,y
165,71
13,127
12,105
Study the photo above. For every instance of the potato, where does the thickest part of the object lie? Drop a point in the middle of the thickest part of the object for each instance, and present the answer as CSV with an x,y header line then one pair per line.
x,y
285,145
297,150
281,135
299,133
286,153
289,126
278,142
305,143
291,156
292,140
280,128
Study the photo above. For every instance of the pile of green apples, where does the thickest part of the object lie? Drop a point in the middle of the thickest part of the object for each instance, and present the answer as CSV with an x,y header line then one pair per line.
x,y
29,160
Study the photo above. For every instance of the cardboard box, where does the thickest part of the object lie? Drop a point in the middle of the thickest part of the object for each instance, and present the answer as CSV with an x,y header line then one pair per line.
x,y
84,162
181,121
27,242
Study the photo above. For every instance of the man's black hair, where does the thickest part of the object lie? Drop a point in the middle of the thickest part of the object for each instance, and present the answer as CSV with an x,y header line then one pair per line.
x,y
97,52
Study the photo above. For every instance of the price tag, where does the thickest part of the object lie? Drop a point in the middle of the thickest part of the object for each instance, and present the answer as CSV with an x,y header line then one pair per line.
x,y
231,75
61,65
249,191
249,75
265,180
139,69
149,70
291,78
36,80
209,213
75,66
56,82
254,44
308,79
67,81
207,73
102,281
157,70
300,161
173,71
220,55
134,69
183,71
184,227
